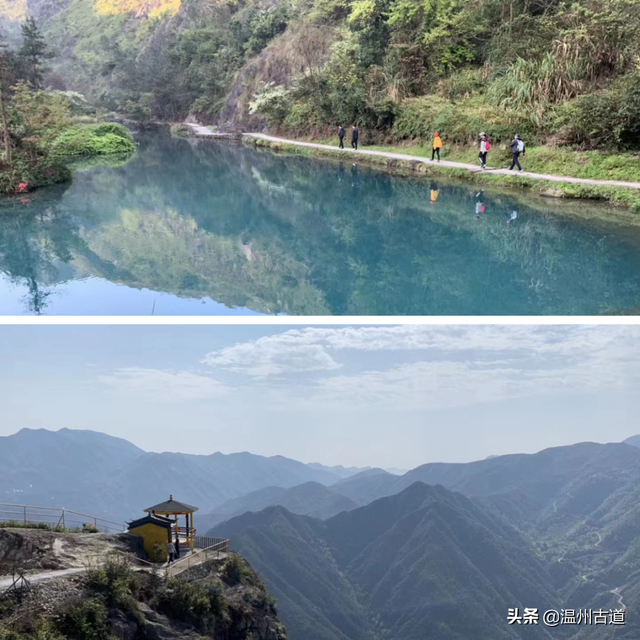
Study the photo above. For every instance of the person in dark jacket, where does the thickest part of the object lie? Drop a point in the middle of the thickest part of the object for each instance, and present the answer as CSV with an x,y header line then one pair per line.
x,y
355,134
341,137
517,147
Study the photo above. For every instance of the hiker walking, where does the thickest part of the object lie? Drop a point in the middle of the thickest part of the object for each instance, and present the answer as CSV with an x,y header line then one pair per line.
x,y
485,145
437,145
171,549
517,147
355,134
341,136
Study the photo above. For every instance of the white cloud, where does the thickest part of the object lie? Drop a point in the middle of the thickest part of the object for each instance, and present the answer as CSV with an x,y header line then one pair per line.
x,y
266,357
461,365
446,384
316,349
156,384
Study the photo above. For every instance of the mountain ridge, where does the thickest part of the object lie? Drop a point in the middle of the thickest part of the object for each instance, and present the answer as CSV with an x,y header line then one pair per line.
x,y
310,498
412,535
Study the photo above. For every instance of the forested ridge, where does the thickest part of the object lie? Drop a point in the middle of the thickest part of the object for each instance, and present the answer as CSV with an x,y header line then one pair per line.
x,y
556,71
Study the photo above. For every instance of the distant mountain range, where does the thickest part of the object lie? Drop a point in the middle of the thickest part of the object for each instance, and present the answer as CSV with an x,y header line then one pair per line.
x,y
102,475
363,554
347,472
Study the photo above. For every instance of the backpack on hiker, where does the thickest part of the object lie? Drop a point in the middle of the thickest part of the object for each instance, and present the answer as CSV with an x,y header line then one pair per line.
x,y
487,145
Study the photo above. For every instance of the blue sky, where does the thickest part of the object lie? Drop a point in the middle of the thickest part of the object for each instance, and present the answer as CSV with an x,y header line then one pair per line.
x,y
389,396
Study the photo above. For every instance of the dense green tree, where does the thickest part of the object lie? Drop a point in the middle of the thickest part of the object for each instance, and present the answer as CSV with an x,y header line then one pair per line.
x,y
5,77
33,53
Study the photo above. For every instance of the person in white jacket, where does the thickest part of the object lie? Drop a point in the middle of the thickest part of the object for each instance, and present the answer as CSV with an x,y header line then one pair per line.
x,y
485,145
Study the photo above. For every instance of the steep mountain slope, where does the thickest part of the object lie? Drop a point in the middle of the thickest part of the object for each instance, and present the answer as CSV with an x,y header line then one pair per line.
x,y
308,499
424,562
289,552
89,471
634,441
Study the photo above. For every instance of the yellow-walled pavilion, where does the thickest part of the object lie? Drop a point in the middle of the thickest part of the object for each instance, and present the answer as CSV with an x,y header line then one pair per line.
x,y
160,526
171,509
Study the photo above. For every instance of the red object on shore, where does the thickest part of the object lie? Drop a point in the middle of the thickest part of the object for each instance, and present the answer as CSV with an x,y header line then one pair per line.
x,y
22,187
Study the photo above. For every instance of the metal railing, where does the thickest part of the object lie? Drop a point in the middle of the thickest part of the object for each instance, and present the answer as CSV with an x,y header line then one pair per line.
x,y
198,557
55,518
204,542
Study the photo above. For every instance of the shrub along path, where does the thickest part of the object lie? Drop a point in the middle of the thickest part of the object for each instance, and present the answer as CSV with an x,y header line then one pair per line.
x,y
206,132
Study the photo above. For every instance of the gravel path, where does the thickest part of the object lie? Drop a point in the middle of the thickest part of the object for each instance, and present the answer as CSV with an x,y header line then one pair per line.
x,y
44,575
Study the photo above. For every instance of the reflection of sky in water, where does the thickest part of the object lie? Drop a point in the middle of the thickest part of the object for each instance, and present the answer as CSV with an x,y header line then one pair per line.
x,y
95,296
245,231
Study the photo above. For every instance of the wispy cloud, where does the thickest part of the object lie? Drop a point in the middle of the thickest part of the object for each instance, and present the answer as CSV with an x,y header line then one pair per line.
x,y
438,367
441,384
317,349
159,385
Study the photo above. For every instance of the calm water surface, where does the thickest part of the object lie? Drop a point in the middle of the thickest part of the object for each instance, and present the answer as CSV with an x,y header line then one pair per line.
x,y
199,227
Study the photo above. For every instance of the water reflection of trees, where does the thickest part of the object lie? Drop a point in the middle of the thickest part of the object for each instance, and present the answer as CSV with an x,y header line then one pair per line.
x,y
286,234
34,238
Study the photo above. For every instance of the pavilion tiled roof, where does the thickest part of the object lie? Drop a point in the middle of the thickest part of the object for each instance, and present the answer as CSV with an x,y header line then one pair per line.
x,y
172,506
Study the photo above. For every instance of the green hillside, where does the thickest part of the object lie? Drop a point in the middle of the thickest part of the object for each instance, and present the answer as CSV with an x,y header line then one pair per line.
x,y
558,71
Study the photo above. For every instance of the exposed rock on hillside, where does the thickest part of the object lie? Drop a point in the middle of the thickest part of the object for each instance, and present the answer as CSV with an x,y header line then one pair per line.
x,y
34,549
221,599
302,50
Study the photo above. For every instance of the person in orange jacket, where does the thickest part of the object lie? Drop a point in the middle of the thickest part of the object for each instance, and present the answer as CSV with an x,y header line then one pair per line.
x,y
437,145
